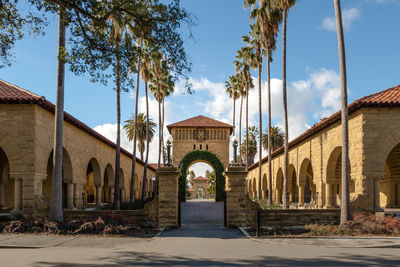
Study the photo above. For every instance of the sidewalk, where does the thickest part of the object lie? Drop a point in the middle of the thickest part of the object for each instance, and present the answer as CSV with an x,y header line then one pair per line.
x,y
48,241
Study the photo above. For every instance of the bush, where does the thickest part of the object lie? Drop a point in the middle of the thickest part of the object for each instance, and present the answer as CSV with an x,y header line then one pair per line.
x,y
110,224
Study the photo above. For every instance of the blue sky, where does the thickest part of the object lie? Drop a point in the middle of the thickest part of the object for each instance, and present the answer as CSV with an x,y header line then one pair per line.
x,y
372,40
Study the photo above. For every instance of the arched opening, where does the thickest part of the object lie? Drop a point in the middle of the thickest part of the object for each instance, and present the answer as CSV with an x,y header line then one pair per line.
x,y
205,157
264,186
292,184
333,176
254,188
200,175
202,172
108,183
390,183
122,190
67,177
201,193
279,186
93,180
306,183
6,184
250,188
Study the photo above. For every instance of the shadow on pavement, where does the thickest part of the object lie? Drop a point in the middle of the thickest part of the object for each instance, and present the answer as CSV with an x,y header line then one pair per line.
x,y
155,259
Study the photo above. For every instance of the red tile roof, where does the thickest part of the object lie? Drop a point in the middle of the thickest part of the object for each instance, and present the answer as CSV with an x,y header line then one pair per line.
x,y
200,178
12,94
386,98
200,121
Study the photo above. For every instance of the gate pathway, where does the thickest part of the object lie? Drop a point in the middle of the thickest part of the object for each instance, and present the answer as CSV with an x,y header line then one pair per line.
x,y
203,218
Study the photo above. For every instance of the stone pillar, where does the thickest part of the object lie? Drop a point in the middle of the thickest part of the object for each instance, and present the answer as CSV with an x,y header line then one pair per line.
x,y
17,195
301,195
235,188
377,192
70,196
328,192
168,197
78,194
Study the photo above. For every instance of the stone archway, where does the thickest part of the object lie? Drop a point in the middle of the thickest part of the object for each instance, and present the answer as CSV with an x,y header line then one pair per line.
x,y
67,179
6,184
207,157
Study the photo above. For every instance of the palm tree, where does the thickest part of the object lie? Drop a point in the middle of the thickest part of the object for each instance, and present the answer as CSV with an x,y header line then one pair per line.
x,y
157,75
345,198
146,76
117,31
244,58
143,133
269,17
277,138
251,141
56,212
140,32
233,91
253,41
285,5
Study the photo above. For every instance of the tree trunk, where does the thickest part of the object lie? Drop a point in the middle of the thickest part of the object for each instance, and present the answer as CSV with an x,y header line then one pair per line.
x,y
132,192
269,203
240,130
247,126
56,212
159,126
345,198
234,114
116,203
162,131
147,138
285,166
260,133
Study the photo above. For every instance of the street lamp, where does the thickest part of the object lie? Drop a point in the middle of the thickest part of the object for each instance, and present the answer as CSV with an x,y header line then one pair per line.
x,y
235,145
169,145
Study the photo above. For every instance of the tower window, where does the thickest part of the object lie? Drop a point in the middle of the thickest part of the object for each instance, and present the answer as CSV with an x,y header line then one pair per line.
x,y
201,147
194,147
207,147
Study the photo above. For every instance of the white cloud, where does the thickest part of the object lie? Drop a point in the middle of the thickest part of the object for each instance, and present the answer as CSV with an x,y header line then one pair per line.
x,y
309,100
348,17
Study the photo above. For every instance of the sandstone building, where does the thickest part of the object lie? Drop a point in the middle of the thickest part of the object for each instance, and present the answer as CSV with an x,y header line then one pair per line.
x,y
26,144
315,159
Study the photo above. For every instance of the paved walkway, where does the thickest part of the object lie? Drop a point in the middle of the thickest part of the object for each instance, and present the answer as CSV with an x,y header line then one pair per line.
x,y
200,242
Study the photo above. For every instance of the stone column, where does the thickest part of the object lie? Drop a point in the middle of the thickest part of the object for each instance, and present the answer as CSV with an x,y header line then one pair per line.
x,y
328,192
17,195
301,195
70,196
377,192
235,189
78,194
98,196
168,197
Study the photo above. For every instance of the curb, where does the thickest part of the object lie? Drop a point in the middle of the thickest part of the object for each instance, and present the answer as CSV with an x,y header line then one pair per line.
x,y
245,232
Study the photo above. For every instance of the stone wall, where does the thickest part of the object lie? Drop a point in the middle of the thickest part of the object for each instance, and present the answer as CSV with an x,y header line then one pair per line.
x,y
146,217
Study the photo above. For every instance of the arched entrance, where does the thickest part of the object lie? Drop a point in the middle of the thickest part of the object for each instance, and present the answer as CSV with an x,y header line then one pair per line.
x,y
67,177
6,184
202,156
201,212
